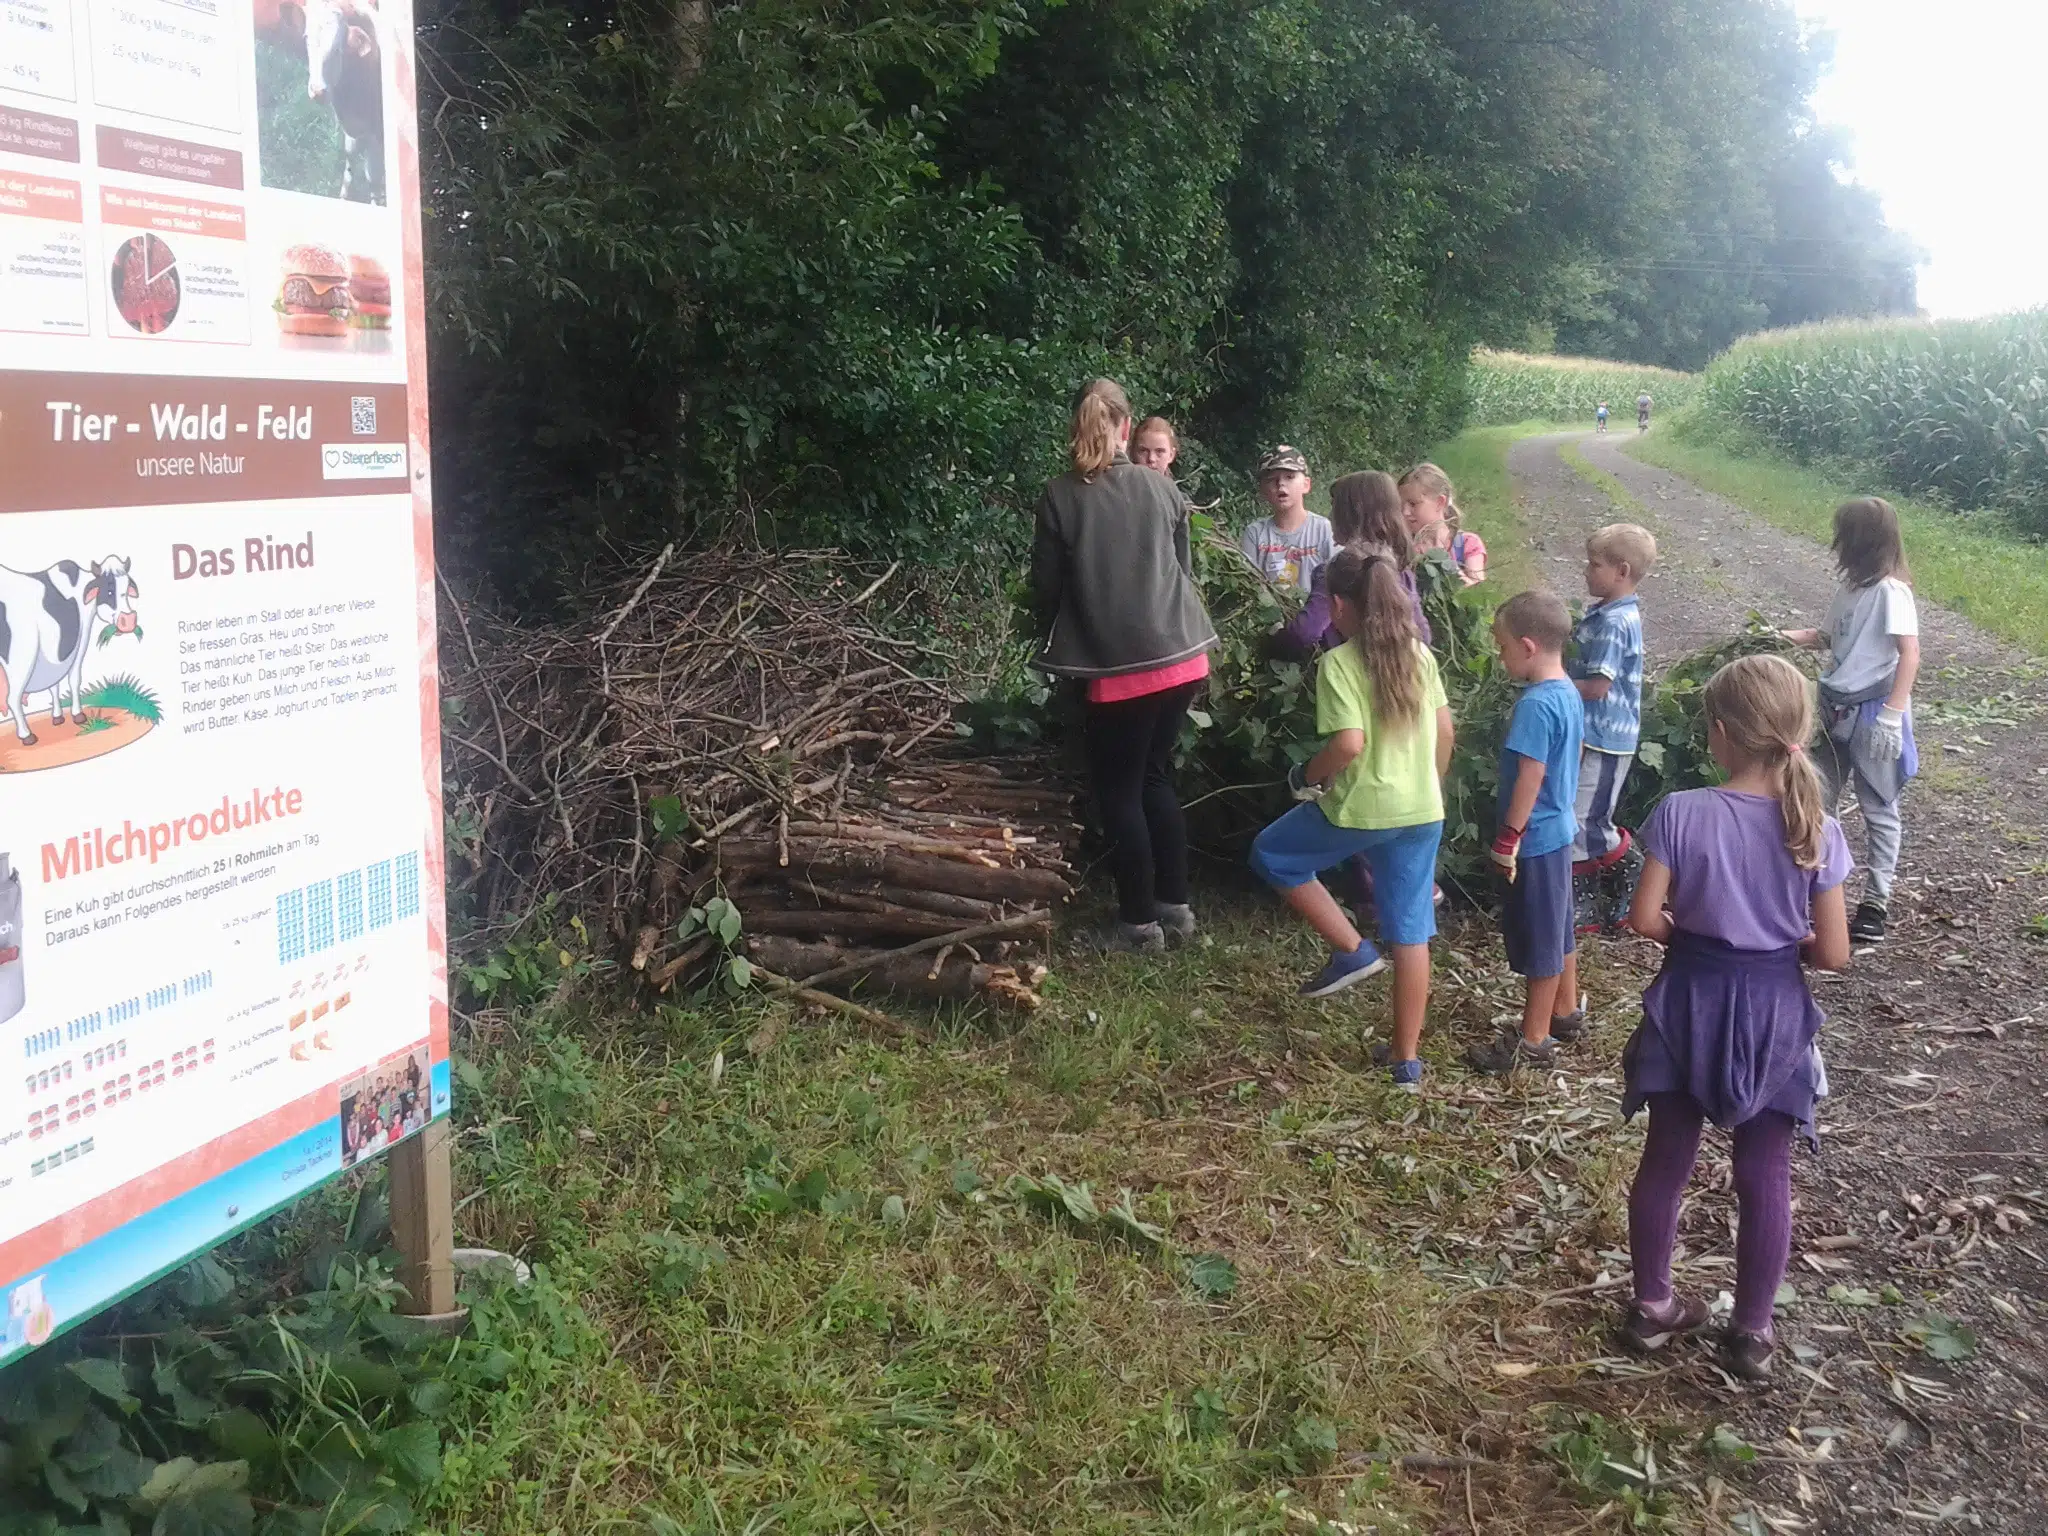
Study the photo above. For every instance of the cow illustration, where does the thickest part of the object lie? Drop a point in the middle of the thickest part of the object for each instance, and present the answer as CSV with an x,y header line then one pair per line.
x,y
345,69
46,620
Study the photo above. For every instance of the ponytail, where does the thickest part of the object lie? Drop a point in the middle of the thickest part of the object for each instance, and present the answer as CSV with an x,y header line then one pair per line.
x,y
1099,410
1804,808
1369,580
1764,708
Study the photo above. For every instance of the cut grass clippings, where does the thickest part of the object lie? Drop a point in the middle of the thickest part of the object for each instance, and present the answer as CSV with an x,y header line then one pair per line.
x,y
1967,562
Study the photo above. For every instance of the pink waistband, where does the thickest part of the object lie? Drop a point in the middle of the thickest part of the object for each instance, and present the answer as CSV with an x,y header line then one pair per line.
x,y
1135,685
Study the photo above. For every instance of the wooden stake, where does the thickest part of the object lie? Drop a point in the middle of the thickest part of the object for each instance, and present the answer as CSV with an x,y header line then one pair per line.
x,y
423,1220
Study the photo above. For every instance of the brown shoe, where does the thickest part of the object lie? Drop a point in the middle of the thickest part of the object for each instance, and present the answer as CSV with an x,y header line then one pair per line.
x,y
1747,1355
1641,1334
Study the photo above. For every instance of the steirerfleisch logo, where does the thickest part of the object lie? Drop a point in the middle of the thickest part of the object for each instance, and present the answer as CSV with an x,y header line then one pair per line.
x,y
362,461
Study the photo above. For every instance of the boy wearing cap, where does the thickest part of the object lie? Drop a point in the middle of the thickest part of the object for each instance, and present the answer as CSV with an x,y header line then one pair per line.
x,y
1288,547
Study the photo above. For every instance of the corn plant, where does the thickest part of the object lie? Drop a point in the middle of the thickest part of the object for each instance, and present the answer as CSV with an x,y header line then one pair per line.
x,y
1955,410
1507,387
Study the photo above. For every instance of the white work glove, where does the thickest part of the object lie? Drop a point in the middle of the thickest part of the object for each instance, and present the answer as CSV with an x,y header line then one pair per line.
x,y
1888,734
1299,786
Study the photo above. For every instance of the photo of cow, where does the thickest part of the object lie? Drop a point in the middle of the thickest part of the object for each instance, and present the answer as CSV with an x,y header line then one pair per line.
x,y
320,97
54,624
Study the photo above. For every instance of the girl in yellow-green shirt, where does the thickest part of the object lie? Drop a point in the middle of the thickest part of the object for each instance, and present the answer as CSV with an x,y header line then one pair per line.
x,y
1375,788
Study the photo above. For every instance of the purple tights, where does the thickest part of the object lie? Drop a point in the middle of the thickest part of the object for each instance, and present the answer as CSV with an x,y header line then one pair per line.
x,y
1763,1202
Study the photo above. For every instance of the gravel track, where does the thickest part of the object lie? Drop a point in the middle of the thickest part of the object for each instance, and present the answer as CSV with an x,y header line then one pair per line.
x,y
1937,1043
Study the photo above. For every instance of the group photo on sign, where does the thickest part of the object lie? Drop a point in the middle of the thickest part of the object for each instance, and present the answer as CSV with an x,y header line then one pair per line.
x,y
937,768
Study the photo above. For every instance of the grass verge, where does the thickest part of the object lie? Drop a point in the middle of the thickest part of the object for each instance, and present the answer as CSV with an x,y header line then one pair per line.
x,y
1965,561
826,1289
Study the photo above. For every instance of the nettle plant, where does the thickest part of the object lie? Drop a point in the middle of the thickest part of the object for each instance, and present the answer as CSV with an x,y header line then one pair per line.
x,y
205,1408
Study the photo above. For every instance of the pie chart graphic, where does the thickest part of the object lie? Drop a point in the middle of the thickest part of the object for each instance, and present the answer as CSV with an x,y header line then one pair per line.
x,y
147,290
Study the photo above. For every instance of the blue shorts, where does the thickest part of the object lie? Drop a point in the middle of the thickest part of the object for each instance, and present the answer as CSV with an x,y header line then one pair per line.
x,y
1536,919
1300,845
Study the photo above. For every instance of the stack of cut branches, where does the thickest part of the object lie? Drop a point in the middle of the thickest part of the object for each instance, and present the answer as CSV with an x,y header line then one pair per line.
x,y
734,725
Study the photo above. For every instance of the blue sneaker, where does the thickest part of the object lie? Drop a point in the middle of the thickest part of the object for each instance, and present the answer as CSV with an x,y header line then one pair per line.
x,y
1344,971
1407,1076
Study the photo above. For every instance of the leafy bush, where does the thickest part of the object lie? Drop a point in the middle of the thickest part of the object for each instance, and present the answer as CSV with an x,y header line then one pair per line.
x,y
206,1399
833,271
1954,409
1508,387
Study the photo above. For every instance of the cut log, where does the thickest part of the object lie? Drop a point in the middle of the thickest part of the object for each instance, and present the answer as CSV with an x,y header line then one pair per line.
x,y
875,897
902,923
908,870
971,848
958,979
1023,922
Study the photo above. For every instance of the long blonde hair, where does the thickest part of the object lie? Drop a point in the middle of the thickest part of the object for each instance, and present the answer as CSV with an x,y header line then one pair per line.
x,y
1100,408
1432,481
1764,707
1368,579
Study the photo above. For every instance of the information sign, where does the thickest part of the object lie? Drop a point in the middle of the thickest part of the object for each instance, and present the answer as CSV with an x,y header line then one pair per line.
x,y
223,971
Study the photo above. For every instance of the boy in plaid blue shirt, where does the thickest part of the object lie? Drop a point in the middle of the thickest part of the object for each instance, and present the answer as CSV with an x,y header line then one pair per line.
x,y
1607,667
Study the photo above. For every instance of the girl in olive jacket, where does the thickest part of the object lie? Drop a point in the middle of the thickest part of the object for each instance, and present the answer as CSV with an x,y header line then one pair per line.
x,y
1113,585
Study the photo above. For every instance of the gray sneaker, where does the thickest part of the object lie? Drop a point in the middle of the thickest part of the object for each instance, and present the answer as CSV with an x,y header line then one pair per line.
x,y
1177,920
1121,938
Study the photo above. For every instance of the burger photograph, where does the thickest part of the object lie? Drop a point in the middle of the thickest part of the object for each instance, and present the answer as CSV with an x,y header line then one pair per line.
x,y
331,302
313,298
369,292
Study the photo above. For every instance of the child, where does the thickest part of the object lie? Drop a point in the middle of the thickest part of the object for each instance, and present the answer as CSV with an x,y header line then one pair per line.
x,y
1607,668
1155,444
1434,521
1600,415
1866,694
1751,874
1539,784
1375,788
1365,511
1113,588
1288,547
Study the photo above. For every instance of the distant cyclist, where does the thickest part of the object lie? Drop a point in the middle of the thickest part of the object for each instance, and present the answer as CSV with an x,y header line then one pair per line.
x,y
1642,413
1600,415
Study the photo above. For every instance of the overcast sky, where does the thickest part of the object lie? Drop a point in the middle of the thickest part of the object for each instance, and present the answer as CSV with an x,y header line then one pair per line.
x,y
1945,99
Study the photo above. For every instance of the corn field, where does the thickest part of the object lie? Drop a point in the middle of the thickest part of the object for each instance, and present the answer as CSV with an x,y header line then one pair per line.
x,y
1507,387
1954,409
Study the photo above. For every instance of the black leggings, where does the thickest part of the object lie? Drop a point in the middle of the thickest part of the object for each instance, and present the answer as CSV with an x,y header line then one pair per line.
x,y
1130,762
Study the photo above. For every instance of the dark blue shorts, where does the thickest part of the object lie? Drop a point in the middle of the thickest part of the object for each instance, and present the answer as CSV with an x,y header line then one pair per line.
x,y
1536,918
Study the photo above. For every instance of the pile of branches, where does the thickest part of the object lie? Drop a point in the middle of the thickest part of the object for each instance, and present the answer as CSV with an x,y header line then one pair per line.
x,y
734,772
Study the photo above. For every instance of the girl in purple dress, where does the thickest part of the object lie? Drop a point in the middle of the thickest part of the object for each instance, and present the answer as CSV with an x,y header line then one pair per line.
x,y
1743,884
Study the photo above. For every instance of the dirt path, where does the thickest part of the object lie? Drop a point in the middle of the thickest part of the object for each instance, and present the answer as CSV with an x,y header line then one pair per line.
x,y
1931,1194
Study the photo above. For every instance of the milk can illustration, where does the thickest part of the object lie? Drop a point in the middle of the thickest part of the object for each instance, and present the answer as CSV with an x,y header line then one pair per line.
x,y
12,987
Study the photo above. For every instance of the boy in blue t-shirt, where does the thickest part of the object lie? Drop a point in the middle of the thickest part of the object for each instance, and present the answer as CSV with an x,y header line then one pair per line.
x,y
1539,786
1607,668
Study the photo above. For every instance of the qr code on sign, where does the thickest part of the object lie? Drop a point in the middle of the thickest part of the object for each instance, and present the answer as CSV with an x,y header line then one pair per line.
x,y
362,415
